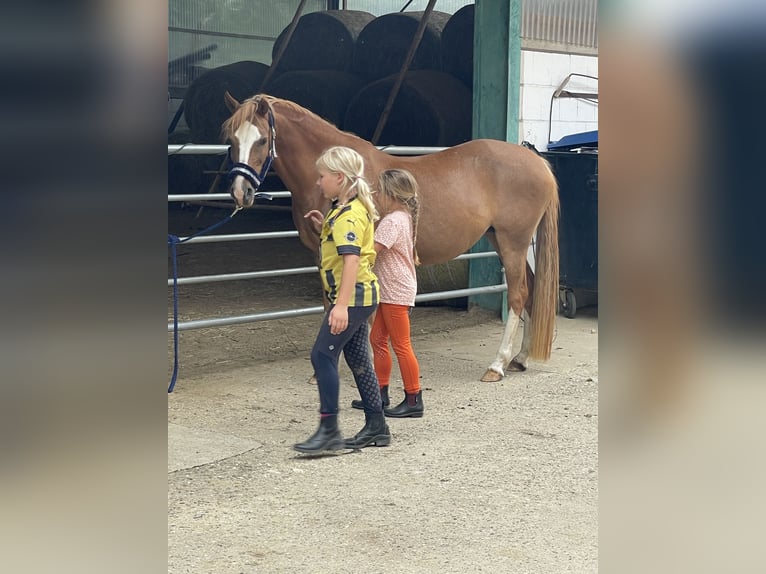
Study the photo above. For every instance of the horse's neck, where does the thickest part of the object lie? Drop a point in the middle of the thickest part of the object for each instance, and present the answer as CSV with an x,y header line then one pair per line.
x,y
300,141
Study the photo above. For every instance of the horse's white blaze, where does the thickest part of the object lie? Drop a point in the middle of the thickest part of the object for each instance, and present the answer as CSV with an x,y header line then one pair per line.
x,y
504,352
247,135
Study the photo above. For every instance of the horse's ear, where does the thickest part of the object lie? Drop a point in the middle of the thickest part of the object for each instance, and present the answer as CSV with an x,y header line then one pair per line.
x,y
263,106
231,102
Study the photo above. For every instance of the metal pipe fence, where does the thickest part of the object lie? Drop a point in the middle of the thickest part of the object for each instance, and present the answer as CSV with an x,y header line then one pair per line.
x,y
187,149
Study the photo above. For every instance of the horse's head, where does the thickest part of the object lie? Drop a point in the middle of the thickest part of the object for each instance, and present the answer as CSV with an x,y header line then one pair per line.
x,y
250,133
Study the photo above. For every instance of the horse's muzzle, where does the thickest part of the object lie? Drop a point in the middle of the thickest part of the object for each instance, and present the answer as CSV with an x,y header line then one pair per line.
x,y
243,197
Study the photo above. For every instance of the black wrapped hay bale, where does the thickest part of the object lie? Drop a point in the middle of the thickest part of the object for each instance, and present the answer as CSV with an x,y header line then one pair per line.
x,y
432,109
324,92
204,107
322,41
383,44
457,45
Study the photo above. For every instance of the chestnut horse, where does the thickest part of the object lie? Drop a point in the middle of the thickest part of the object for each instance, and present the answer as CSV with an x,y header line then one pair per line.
x,y
481,187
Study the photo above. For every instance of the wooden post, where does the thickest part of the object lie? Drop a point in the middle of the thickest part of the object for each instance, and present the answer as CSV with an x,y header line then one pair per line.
x,y
496,86
402,72
283,47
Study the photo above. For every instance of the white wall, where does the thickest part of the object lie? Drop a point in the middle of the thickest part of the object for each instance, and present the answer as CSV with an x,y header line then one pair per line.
x,y
541,74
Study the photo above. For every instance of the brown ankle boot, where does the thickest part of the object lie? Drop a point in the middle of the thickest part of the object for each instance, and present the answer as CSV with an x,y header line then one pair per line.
x,y
411,406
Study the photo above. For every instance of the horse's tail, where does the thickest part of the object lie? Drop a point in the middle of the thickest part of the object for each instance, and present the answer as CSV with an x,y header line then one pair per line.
x,y
546,284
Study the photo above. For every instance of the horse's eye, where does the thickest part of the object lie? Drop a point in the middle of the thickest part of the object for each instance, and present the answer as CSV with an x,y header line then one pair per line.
x,y
262,141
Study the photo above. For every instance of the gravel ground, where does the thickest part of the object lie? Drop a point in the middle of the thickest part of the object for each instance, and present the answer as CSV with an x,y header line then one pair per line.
x,y
496,477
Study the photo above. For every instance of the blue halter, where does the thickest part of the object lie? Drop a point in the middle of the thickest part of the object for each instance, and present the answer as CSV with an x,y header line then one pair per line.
x,y
243,169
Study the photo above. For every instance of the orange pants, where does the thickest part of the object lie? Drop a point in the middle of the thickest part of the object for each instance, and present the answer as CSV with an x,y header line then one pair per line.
x,y
393,322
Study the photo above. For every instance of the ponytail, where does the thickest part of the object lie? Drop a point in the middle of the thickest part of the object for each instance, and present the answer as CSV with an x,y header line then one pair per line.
x,y
364,194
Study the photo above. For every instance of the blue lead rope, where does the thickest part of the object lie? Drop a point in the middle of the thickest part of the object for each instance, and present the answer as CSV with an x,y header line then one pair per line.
x,y
173,241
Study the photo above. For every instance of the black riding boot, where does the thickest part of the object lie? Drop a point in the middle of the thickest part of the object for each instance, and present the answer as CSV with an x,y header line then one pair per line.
x,y
375,432
358,404
411,406
327,437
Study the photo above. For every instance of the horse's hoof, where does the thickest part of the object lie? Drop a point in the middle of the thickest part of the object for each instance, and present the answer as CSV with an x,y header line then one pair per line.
x,y
491,377
516,367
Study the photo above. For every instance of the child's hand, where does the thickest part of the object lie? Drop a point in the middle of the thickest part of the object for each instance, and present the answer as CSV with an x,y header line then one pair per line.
x,y
316,218
338,319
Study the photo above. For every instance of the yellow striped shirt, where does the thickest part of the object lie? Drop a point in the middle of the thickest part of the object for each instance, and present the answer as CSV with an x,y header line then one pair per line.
x,y
349,230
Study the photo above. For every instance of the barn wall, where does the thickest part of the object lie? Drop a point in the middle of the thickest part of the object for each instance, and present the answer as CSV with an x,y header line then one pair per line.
x,y
541,74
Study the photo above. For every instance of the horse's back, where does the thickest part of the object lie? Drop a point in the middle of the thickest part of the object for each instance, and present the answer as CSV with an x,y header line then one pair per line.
x,y
488,149
495,164
500,151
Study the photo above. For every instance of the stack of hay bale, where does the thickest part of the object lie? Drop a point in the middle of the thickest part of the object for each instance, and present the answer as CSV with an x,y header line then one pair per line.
x,y
315,70
342,65
432,108
204,107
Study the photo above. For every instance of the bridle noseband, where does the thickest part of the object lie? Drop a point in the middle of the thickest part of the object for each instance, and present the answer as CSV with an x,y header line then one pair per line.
x,y
243,169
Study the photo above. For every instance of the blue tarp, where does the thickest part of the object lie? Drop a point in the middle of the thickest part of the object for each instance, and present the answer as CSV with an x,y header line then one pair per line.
x,y
571,141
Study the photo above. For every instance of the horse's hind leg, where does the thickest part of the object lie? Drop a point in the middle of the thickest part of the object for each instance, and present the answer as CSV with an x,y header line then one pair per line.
x,y
495,372
515,277
519,362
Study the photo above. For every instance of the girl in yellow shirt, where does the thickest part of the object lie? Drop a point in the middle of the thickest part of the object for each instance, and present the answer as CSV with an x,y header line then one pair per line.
x,y
347,251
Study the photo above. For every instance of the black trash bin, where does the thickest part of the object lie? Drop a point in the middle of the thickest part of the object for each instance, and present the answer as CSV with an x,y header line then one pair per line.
x,y
577,174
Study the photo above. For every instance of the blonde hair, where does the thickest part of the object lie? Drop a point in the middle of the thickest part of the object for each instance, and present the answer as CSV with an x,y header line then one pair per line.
x,y
350,164
400,185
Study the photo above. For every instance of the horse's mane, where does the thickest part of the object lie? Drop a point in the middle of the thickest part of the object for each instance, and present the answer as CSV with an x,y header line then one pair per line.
x,y
247,111
302,114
